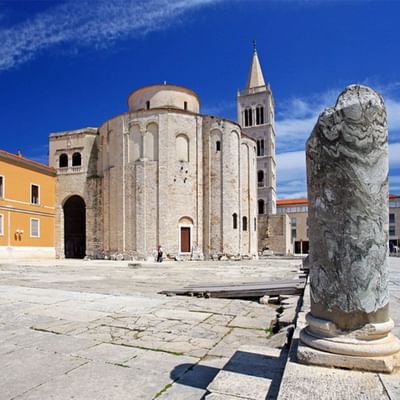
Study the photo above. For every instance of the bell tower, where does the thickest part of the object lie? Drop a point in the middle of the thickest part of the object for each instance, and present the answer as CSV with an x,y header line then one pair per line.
x,y
256,115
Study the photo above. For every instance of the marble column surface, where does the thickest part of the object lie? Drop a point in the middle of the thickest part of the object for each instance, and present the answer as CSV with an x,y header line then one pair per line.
x,y
347,173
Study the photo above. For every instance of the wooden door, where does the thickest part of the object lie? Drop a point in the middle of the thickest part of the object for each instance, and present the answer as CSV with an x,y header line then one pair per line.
x,y
185,240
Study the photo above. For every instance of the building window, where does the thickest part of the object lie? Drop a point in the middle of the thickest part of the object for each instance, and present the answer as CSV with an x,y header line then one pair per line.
x,y
248,117
34,194
63,161
182,148
260,147
1,187
392,219
35,227
1,225
293,223
244,224
234,220
218,145
255,223
261,206
259,115
392,231
76,159
147,105
260,178
185,105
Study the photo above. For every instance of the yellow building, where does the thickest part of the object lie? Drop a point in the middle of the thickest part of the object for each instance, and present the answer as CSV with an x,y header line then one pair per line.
x,y
27,208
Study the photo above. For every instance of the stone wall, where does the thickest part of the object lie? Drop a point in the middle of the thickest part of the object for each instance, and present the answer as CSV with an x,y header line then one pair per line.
x,y
274,233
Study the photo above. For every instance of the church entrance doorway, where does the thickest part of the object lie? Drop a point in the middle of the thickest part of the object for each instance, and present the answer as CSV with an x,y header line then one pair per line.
x,y
75,227
185,225
185,239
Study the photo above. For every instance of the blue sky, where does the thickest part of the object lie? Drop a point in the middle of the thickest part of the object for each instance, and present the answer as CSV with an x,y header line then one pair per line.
x,y
71,64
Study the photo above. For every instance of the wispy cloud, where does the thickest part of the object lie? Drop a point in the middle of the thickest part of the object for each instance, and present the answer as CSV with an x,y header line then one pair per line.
x,y
80,23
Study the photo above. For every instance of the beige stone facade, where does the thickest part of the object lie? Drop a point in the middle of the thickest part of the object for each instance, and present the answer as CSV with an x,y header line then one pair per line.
x,y
160,174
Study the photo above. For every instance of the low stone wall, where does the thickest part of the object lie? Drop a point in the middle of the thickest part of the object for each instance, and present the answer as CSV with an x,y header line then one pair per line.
x,y
274,234
13,252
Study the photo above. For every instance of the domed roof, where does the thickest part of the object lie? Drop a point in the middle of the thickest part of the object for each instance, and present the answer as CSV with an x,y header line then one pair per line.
x,y
164,96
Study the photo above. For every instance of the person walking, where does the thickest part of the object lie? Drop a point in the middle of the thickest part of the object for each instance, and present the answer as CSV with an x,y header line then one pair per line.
x,y
159,253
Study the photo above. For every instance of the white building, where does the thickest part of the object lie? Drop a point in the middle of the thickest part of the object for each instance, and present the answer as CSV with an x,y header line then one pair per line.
x,y
162,173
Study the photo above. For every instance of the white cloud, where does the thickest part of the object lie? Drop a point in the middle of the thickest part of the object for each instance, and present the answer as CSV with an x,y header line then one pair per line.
x,y
393,111
89,23
394,155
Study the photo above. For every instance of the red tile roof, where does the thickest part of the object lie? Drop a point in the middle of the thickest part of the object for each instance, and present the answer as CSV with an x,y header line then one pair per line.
x,y
25,161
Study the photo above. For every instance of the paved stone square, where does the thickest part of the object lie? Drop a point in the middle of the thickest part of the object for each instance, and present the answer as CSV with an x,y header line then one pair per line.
x,y
100,330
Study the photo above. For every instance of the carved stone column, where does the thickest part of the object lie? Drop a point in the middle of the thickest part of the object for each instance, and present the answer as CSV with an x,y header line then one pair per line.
x,y
347,172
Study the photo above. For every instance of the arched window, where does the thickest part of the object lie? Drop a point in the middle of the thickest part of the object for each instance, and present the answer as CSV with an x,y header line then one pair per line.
x,y
244,224
260,178
76,160
63,161
261,206
260,147
259,115
185,105
248,117
147,105
182,148
218,145
234,220
150,142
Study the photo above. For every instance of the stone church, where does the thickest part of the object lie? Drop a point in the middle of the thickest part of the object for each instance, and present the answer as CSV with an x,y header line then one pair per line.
x,y
164,174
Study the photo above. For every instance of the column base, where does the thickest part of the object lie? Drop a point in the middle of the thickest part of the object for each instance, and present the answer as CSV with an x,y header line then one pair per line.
x,y
371,348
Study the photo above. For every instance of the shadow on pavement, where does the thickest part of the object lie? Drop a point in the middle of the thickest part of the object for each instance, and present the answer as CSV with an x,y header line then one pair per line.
x,y
241,363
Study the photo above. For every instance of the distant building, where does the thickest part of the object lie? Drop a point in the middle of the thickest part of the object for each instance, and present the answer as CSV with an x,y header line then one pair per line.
x,y
297,211
161,173
27,208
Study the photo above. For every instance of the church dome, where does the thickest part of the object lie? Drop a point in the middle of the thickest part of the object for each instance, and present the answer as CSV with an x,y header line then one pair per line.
x,y
164,96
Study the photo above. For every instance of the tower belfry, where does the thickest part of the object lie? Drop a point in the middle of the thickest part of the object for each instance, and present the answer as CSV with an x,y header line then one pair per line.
x,y
256,115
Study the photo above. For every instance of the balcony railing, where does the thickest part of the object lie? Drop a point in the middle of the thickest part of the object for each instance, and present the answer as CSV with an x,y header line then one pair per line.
x,y
70,170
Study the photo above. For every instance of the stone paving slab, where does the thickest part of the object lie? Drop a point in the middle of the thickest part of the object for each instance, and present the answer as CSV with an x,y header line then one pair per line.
x,y
253,372
25,369
100,330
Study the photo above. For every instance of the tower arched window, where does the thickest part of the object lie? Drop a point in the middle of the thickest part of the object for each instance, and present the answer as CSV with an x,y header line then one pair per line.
x,y
147,105
260,178
261,206
248,117
234,220
76,159
260,147
259,115
244,223
63,161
